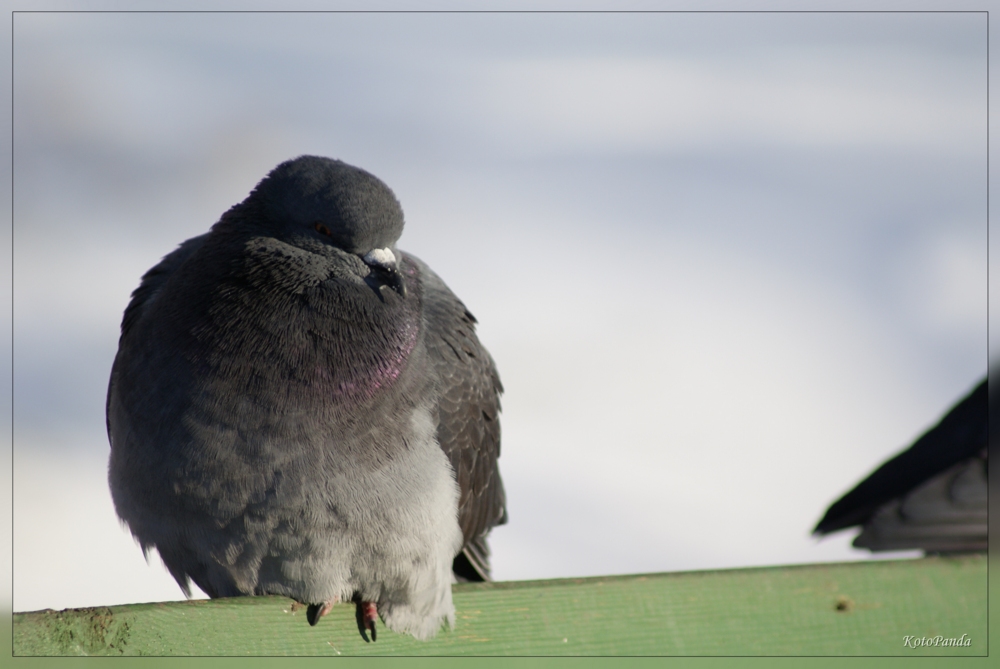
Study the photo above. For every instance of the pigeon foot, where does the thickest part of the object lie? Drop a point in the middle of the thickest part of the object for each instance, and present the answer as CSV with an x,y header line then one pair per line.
x,y
317,611
367,615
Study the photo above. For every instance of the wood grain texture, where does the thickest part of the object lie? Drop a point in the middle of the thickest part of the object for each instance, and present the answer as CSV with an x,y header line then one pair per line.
x,y
860,608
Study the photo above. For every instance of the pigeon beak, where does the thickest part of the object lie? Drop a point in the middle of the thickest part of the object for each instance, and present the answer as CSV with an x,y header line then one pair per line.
x,y
384,262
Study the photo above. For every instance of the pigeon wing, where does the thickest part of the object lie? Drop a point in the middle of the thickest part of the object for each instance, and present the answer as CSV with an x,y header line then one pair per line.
x,y
149,288
468,419
960,435
154,279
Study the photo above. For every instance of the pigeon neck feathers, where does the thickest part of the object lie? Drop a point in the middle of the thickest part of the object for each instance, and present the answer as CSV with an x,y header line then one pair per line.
x,y
306,259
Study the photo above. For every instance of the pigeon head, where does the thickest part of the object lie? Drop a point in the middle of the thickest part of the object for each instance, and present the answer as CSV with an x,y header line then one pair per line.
x,y
326,199
312,201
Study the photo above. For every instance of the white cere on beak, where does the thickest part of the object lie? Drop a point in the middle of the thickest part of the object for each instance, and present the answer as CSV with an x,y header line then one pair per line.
x,y
380,257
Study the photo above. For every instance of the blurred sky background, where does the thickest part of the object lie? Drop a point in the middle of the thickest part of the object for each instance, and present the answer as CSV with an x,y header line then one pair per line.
x,y
726,263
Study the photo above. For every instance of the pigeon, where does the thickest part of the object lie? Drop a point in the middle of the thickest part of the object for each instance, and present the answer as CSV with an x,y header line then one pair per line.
x,y
931,497
298,408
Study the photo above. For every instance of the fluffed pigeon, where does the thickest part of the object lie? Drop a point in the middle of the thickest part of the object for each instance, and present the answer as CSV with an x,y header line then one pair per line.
x,y
298,408
932,496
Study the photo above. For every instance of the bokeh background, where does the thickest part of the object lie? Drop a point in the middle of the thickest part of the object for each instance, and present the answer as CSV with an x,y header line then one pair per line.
x,y
726,263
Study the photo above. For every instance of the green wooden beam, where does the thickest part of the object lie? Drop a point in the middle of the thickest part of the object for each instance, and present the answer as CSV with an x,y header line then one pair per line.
x,y
858,608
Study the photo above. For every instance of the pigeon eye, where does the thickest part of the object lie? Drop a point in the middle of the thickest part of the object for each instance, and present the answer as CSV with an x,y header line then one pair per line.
x,y
322,229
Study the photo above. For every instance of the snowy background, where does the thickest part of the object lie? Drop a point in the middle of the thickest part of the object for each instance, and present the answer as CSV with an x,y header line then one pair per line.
x,y
726,263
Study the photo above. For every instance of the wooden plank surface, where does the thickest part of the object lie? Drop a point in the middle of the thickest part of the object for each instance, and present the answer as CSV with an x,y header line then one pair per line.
x,y
860,608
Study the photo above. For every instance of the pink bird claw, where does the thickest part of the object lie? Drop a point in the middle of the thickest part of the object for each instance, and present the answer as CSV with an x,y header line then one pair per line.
x,y
317,611
367,614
